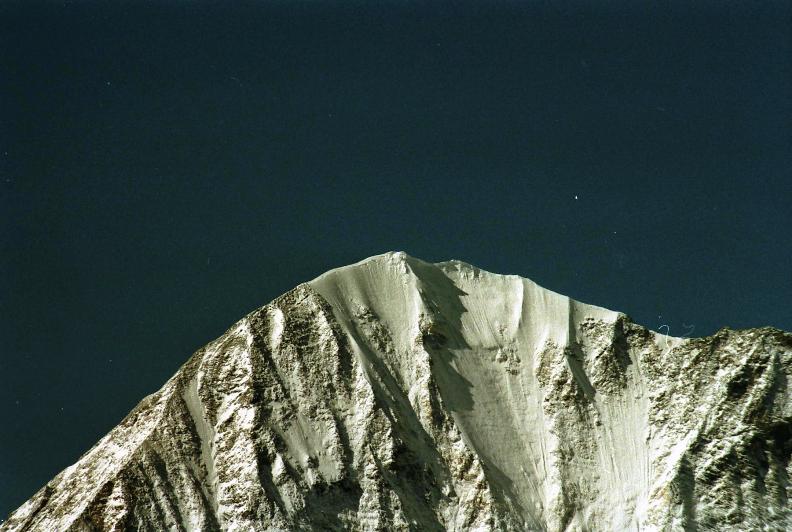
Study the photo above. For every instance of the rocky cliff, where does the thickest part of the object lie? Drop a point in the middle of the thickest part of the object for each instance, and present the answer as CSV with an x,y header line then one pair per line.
x,y
395,394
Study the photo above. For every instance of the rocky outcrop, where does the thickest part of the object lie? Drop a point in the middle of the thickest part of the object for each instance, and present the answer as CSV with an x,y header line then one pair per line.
x,y
399,395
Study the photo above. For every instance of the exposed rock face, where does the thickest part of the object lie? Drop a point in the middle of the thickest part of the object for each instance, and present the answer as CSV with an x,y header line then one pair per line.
x,y
400,395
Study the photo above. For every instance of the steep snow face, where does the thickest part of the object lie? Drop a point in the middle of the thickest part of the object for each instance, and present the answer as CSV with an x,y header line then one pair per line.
x,y
395,394
488,339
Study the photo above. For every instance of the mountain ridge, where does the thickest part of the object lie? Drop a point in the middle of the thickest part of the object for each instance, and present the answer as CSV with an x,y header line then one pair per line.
x,y
399,394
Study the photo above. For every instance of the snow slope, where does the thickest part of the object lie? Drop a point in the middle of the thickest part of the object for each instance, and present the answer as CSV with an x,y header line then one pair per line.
x,y
394,394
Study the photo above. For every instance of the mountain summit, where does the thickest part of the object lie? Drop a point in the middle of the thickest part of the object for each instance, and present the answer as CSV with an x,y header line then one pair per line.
x,y
395,394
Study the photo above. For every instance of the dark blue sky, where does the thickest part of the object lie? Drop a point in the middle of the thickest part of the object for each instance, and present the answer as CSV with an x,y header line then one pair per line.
x,y
167,167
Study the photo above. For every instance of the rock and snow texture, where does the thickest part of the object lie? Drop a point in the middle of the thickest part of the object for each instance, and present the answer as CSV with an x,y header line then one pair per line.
x,y
395,394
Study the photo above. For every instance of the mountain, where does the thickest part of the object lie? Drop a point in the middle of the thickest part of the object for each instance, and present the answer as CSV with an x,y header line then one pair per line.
x,y
395,394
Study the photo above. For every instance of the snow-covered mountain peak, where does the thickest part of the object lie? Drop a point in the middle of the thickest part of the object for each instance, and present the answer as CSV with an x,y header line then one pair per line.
x,y
396,394
486,304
